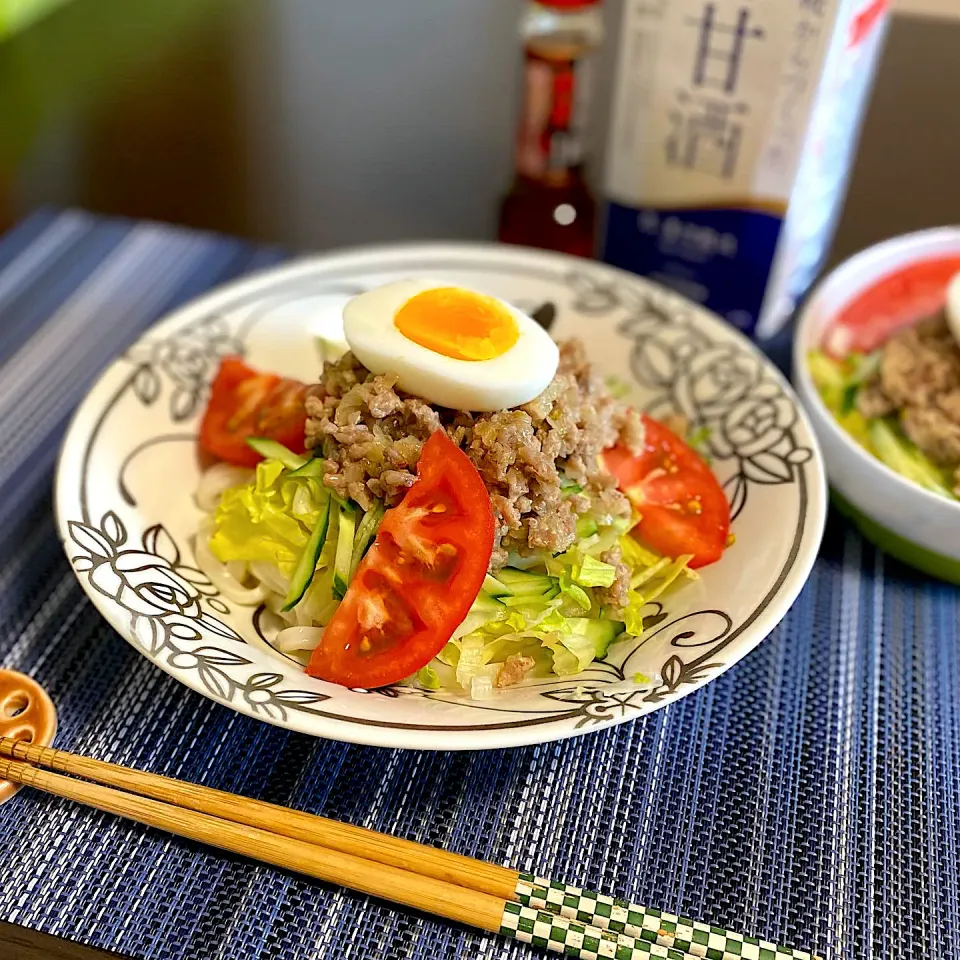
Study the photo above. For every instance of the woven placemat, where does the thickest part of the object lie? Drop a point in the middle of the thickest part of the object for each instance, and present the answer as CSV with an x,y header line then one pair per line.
x,y
810,795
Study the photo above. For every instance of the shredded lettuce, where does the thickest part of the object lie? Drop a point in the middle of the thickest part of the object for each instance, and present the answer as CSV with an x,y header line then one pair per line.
x,y
563,634
838,382
576,572
595,573
267,524
651,576
268,520
574,592
618,387
474,652
558,644
428,678
898,452
551,609
699,439
830,377
572,648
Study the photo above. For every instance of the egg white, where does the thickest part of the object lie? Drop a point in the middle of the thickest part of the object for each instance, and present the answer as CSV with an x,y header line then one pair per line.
x,y
513,378
953,307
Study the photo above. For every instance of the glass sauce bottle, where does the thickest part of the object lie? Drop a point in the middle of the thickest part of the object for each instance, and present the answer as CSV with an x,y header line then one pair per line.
x,y
549,204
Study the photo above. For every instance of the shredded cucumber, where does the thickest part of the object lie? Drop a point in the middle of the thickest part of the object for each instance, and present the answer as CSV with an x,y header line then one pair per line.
x,y
366,531
310,468
272,450
307,564
343,564
898,453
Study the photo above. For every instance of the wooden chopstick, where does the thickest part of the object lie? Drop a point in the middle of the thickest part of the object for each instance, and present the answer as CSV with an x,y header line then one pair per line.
x,y
518,897
447,900
452,868
379,880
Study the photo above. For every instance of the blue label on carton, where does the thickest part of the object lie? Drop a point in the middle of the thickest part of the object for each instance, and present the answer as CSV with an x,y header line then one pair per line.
x,y
718,257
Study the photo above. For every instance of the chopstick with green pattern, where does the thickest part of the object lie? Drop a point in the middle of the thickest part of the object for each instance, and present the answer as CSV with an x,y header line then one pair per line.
x,y
645,924
545,913
549,930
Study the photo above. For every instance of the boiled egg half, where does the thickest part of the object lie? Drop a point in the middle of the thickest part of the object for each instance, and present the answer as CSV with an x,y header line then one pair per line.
x,y
452,346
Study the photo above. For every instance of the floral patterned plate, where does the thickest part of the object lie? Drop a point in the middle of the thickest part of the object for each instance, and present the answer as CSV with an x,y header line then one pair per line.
x,y
129,468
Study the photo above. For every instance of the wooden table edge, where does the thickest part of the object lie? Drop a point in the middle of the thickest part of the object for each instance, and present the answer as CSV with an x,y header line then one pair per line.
x,y
27,944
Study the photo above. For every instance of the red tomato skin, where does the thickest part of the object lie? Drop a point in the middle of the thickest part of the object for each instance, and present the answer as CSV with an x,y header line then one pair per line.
x,y
683,508
897,300
274,408
427,608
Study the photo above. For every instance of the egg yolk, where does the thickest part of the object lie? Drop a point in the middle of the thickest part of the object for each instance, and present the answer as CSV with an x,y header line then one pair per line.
x,y
458,323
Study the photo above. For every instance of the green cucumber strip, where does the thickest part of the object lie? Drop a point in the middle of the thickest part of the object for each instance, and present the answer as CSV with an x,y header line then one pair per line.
x,y
312,468
514,588
307,565
276,451
902,456
848,398
493,587
486,603
343,562
510,576
524,599
534,589
586,527
366,531
603,633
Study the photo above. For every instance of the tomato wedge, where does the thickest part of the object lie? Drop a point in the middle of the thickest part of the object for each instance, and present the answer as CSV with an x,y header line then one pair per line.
x,y
682,507
418,580
245,403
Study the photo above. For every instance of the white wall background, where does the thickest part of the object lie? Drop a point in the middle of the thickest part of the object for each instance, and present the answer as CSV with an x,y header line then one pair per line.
x,y
374,121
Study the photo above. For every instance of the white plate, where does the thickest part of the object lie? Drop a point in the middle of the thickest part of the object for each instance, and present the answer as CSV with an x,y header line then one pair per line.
x,y
128,470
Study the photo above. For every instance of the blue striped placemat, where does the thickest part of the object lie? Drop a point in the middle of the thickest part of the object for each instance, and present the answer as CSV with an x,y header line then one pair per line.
x,y
810,795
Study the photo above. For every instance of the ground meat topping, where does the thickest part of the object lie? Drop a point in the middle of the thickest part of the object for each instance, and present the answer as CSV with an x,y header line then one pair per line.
x,y
919,363
919,378
618,593
371,433
514,669
873,402
936,434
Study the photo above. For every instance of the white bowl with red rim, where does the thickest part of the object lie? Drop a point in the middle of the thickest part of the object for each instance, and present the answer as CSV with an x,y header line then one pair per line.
x,y
858,306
